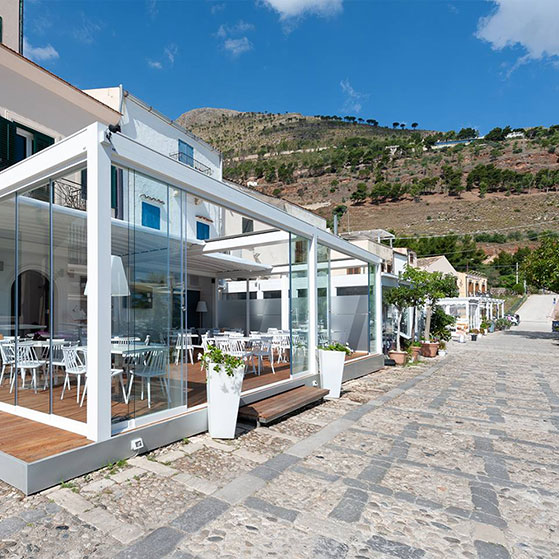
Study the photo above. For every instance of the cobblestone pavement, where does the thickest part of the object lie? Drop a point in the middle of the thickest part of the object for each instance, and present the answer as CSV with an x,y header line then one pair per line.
x,y
451,458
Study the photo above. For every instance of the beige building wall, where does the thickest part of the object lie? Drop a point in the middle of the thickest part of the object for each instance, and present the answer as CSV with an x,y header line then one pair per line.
x,y
11,25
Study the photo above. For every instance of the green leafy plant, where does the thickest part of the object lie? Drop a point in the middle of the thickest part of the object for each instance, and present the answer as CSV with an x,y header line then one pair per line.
x,y
214,358
335,346
440,321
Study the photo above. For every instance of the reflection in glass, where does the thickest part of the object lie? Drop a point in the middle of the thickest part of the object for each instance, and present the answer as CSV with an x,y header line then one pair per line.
x,y
323,294
299,255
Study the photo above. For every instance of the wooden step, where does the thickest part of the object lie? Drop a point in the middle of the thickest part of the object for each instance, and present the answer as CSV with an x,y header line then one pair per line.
x,y
274,407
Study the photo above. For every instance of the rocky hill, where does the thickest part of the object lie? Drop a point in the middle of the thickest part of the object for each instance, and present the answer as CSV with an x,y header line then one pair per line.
x,y
392,178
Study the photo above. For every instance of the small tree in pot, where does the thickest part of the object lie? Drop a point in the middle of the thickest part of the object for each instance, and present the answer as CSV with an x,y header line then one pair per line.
x,y
433,286
401,298
331,360
224,383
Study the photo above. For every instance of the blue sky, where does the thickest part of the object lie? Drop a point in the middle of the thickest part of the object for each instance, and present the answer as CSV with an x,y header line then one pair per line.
x,y
443,64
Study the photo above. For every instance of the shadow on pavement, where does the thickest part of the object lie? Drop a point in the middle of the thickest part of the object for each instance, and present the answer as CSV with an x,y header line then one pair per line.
x,y
532,335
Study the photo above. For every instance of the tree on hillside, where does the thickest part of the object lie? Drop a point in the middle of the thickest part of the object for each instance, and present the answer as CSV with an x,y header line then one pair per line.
x,y
542,266
467,133
360,119
395,124
414,125
360,194
452,179
402,125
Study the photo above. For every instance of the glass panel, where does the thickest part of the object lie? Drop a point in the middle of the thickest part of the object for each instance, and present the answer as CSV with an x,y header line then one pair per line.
x,y
349,302
372,307
69,317
148,271
33,300
323,295
299,304
7,293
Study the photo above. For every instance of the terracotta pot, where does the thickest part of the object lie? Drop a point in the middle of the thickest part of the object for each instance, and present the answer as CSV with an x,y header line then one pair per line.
x,y
400,357
415,352
429,349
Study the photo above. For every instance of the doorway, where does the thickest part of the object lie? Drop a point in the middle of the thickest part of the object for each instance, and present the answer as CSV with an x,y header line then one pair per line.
x,y
34,301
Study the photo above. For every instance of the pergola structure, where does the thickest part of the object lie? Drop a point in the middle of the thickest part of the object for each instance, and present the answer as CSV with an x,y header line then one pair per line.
x,y
118,289
470,311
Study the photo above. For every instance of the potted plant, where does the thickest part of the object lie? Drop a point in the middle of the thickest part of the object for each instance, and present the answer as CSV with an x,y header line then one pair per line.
x,y
331,359
442,348
225,374
484,327
415,350
400,298
473,334
433,286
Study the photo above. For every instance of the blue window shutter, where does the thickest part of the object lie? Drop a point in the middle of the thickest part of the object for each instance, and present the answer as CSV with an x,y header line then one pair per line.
x,y
186,153
151,216
202,231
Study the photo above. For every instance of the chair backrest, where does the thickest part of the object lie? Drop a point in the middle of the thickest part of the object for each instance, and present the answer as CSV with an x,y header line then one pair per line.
x,y
73,363
236,345
25,354
155,361
7,352
223,343
204,342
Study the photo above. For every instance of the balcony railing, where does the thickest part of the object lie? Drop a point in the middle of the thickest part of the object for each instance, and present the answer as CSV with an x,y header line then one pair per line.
x,y
191,162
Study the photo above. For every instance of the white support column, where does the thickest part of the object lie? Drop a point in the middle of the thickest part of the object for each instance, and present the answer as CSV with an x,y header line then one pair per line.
x,y
378,309
98,288
247,308
313,305
285,303
468,313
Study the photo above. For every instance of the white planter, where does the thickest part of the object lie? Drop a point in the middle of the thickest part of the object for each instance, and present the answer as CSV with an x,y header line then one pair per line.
x,y
331,364
442,352
224,394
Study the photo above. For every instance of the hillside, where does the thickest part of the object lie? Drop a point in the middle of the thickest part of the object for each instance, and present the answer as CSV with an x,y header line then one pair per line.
x,y
377,177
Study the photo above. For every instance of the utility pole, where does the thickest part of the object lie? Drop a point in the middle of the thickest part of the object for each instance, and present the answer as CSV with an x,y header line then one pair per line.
x,y
516,272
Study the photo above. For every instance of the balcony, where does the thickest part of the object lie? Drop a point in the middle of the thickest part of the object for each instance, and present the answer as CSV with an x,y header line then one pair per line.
x,y
191,162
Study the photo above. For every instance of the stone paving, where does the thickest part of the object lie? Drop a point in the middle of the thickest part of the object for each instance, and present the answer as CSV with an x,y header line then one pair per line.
x,y
449,458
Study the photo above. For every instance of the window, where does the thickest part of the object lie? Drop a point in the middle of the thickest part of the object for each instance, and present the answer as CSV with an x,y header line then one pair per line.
x,y
186,153
24,144
352,290
248,225
151,216
0,29
202,231
272,294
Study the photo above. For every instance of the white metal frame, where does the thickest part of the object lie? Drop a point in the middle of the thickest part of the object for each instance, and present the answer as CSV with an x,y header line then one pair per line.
x,y
91,146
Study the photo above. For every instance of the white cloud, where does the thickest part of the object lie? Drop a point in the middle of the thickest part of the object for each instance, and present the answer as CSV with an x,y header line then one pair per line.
x,y
237,29
353,99
231,41
532,25
39,54
295,8
155,64
86,31
216,8
170,52
151,8
237,46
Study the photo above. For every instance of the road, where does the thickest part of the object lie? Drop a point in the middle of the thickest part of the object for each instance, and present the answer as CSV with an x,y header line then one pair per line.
x,y
455,458
536,313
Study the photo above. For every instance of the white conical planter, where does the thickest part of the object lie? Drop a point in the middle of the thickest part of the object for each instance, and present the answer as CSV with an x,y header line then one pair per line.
x,y
331,364
224,394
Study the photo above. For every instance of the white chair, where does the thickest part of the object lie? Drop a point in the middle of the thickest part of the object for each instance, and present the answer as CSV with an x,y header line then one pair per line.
x,y
263,348
154,366
73,365
8,355
27,361
237,348
115,373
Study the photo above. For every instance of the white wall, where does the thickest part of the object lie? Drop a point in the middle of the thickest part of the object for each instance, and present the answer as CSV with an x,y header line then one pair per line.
x,y
151,130
9,12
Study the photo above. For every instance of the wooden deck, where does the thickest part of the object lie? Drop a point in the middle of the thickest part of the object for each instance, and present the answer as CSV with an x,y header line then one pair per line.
x,y
270,409
195,393
30,441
